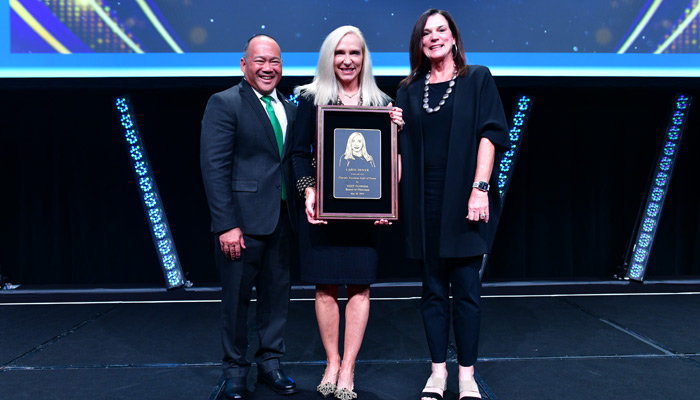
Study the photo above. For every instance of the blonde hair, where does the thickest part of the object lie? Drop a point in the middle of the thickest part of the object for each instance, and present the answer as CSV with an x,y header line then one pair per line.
x,y
324,87
348,149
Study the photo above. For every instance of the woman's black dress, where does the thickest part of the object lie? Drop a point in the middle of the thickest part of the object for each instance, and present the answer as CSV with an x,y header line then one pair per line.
x,y
341,252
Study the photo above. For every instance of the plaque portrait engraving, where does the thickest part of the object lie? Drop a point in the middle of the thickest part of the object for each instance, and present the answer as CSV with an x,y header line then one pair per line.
x,y
357,174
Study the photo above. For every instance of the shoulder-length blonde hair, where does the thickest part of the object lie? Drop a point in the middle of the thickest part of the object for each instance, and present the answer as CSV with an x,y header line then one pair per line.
x,y
324,87
348,150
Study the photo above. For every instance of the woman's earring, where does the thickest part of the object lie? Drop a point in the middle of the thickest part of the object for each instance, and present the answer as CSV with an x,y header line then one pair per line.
x,y
454,50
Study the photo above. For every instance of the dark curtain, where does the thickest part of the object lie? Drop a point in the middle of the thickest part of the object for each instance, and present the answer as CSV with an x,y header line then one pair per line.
x,y
71,203
71,212
584,171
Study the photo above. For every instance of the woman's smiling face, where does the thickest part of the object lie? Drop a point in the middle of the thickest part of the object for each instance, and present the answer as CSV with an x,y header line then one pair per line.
x,y
348,59
356,144
437,38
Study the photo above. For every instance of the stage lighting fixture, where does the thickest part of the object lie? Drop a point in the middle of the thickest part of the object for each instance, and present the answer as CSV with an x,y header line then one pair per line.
x,y
150,197
521,116
638,254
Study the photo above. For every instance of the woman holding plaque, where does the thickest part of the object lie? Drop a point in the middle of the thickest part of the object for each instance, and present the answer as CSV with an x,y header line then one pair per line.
x,y
454,125
340,252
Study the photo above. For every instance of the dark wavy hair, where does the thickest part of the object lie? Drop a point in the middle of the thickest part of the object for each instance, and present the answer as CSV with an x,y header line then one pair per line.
x,y
419,62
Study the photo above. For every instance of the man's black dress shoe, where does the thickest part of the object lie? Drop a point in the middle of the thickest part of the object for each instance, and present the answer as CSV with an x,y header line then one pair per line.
x,y
278,381
235,388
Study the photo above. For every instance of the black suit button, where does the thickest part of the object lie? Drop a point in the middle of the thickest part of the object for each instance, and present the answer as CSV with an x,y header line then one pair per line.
x,y
279,187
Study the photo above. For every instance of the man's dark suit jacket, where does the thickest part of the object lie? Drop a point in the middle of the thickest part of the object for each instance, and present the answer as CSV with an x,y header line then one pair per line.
x,y
240,162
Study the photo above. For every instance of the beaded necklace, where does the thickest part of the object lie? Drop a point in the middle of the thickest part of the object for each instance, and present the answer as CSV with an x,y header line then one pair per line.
x,y
426,92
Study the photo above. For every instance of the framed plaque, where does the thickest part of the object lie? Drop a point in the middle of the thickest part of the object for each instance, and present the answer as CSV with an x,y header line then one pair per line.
x,y
357,172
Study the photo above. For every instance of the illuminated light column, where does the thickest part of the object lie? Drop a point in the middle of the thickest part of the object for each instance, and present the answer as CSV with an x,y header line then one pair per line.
x,y
150,197
638,258
521,115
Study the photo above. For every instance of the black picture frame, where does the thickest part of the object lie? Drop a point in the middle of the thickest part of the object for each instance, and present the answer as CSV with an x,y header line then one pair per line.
x,y
362,187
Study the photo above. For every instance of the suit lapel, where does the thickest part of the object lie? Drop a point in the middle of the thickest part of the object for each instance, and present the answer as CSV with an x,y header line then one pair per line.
x,y
289,110
249,95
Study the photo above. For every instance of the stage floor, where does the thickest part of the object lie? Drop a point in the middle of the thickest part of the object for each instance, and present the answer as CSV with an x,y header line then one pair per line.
x,y
592,346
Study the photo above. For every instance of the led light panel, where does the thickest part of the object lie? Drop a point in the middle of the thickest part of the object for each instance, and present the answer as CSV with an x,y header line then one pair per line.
x,y
649,220
150,198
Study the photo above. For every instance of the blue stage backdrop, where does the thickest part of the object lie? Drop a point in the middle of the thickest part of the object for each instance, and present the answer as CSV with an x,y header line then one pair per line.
x,y
143,38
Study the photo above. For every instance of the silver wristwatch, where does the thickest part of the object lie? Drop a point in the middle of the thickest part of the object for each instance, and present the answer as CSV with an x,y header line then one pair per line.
x,y
481,185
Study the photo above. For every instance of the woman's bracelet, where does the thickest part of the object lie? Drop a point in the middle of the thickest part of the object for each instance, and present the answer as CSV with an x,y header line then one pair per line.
x,y
303,183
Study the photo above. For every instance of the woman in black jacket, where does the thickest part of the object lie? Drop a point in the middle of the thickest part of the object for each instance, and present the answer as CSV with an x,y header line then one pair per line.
x,y
454,124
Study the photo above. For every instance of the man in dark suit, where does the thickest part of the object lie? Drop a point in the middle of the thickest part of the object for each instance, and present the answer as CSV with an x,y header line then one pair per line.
x,y
247,179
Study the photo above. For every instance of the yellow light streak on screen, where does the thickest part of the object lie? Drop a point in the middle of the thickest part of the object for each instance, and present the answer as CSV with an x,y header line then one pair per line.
x,y
114,27
640,27
691,16
159,27
37,27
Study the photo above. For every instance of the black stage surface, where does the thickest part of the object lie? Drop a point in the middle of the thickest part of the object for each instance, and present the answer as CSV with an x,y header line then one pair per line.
x,y
600,340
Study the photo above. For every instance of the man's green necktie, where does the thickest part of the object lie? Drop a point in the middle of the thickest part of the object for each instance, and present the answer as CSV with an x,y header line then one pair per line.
x,y
278,131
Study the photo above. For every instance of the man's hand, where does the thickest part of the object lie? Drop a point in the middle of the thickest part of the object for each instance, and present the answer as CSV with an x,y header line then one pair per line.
x,y
232,243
